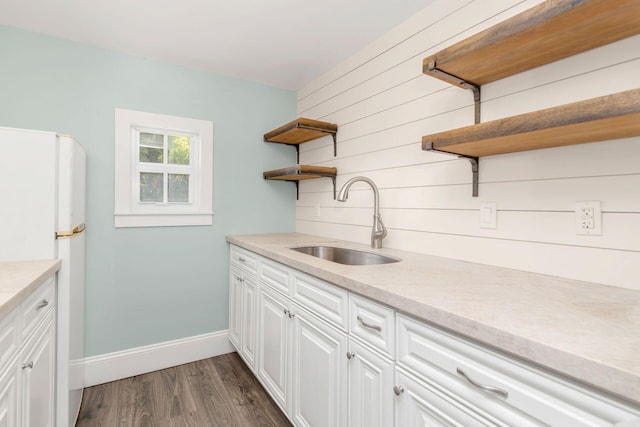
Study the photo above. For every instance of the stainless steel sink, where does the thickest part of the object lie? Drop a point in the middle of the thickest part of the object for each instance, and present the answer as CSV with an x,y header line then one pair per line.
x,y
345,256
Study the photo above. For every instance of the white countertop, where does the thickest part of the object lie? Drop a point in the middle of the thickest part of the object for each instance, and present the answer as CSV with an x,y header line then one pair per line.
x,y
584,330
20,279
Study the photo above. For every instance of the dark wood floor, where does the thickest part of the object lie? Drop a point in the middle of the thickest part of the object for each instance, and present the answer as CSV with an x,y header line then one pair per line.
x,y
220,391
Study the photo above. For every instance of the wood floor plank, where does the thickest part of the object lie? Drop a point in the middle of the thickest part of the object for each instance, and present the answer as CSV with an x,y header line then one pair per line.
x,y
214,392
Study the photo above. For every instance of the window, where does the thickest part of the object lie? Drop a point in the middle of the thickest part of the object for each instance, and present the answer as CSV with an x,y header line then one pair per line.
x,y
163,170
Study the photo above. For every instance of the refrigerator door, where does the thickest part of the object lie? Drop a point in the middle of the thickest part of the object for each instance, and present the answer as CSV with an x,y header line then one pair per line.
x,y
71,185
28,207
70,328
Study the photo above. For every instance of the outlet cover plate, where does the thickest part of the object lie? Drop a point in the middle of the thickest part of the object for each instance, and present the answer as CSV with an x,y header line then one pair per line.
x,y
589,218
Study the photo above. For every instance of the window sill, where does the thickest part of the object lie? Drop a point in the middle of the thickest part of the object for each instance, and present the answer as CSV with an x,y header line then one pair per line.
x,y
162,220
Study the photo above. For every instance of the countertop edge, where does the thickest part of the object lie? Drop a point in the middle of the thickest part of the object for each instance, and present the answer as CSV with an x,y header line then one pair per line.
x,y
624,385
42,269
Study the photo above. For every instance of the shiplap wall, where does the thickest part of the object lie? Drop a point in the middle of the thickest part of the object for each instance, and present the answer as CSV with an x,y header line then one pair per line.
x,y
383,104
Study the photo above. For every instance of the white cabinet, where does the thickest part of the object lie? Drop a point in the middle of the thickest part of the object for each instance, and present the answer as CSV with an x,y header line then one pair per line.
x,y
37,377
27,355
243,304
501,387
421,404
235,306
8,397
274,338
371,364
301,359
319,380
371,398
332,358
248,322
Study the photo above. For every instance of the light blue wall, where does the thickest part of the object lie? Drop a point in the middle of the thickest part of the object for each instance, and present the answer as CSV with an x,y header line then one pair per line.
x,y
149,285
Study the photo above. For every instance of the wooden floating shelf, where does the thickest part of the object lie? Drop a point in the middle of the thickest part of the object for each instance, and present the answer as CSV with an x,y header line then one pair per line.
x,y
298,173
302,130
597,119
551,31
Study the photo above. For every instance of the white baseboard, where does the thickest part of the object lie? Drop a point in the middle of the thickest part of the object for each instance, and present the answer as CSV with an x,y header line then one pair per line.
x,y
140,360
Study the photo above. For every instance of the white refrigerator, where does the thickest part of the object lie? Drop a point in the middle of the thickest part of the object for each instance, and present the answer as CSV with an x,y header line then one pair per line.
x,y
42,216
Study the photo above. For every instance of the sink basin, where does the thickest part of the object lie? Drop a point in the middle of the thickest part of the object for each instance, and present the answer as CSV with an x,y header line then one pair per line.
x,y
345,256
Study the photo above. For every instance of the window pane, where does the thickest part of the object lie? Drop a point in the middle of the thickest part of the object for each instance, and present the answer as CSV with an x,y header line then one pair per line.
x,y
179,148
151,155
178,187
151,187
152,139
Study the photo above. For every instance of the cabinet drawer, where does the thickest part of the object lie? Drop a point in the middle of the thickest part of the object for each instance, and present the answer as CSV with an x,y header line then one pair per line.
x,y
275,275
245,260
321,298
34,308
9,337
422,402
535,392
373,323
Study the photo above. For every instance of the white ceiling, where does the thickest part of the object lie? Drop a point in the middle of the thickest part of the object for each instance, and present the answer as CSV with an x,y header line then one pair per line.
x,y
282,43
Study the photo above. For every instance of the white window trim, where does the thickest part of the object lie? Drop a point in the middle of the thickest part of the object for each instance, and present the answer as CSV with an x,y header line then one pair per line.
x,y
129,213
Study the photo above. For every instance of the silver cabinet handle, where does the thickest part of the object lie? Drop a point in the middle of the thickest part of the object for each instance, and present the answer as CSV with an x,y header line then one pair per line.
x,y
488,388
398,390
291,315
350,355
366,325
27,365
241,259
286,311
42,304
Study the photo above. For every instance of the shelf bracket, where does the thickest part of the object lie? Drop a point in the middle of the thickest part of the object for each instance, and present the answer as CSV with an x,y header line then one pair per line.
x,y
333,180
475,165
335,148
455,80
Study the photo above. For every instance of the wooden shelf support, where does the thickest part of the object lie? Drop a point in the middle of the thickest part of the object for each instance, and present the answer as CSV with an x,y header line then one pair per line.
x,y
432,68
298,173
475,165
300,131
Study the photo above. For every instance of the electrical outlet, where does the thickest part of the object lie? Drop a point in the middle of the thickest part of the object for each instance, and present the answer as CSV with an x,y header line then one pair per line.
x,y
588,218
488,214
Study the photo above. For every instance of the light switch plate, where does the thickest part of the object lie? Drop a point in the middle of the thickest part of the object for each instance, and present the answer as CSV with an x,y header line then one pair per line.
x,y
488,214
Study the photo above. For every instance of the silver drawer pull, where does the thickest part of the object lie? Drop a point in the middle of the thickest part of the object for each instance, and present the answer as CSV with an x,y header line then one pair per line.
x,y
350,355
241,259
366,325
27,365
489,388
42,304
398,390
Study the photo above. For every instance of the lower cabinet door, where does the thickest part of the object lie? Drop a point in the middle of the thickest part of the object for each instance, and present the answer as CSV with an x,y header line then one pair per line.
x,y
420,404
8,397
274,332
235,306
319,376
371,395
37,378
248,341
